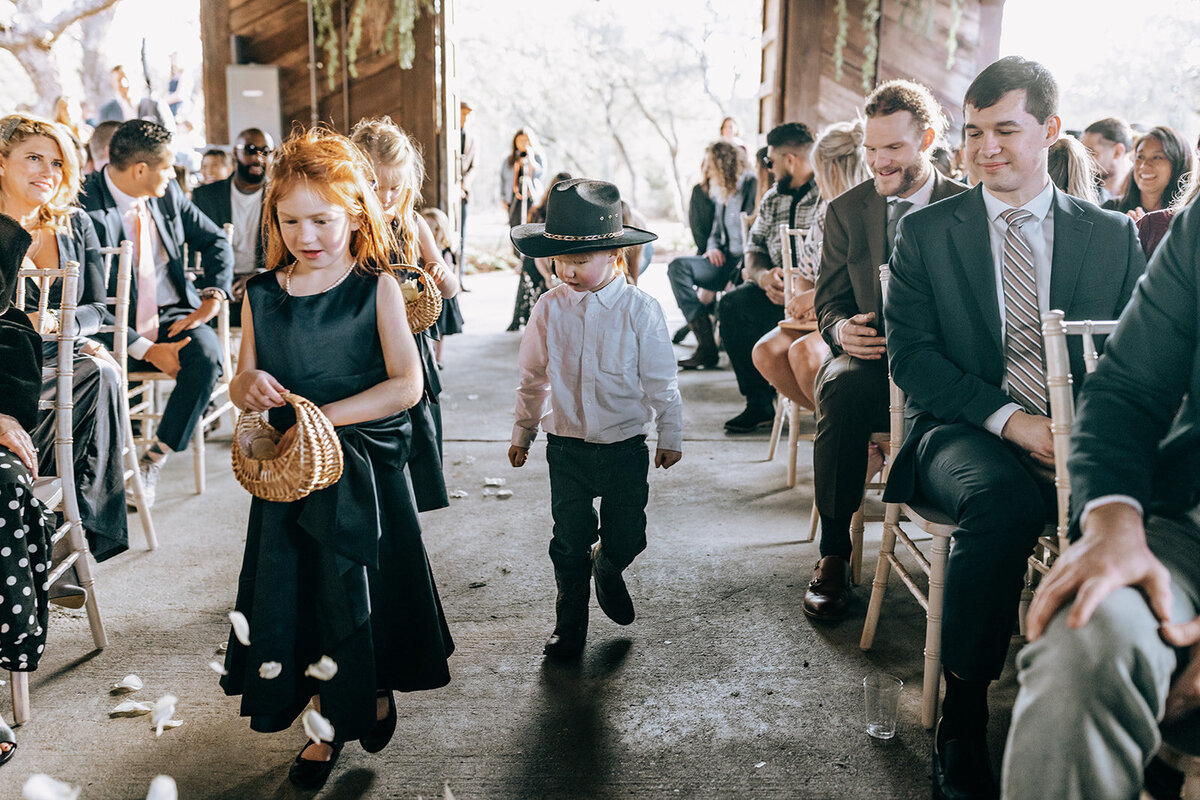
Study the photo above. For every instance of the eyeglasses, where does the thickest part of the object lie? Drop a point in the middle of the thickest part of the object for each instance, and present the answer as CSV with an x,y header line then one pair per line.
x,y
254,150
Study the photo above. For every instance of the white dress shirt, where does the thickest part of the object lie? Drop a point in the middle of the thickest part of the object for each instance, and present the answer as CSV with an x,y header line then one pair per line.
x,y
167,295
918,199
1039,232
604,362
247,216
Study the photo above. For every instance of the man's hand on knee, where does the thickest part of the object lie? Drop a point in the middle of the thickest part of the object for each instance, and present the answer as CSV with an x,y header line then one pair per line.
x,y
859,338
1112,554
1184,696
165,355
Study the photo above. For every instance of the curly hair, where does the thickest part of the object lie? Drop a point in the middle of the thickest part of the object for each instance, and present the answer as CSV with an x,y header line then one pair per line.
x,y
894,96
332,166
727,163
17,128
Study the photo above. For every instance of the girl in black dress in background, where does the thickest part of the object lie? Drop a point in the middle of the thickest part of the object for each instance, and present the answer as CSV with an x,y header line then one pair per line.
x,y
342,572
450,322
399,172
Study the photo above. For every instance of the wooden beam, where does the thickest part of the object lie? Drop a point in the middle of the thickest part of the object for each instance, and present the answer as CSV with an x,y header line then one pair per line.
x,y
214,33
803,24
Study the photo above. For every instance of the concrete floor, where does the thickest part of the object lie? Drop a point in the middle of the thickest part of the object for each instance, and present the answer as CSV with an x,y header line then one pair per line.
x,y
720,689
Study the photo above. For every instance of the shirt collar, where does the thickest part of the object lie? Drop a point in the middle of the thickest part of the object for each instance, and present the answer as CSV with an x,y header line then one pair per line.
x,y
1038,206
921,197
125,203
607,296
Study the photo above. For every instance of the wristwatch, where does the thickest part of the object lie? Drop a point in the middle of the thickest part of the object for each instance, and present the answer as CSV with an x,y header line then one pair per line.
x,y
212,292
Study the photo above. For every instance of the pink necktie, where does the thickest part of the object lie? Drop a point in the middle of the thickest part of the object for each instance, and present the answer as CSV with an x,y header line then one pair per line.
x,y
147,281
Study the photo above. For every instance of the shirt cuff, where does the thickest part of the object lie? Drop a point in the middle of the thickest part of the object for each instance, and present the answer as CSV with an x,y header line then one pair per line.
x,y
1105,500
999,418
837,332
523,437
139,347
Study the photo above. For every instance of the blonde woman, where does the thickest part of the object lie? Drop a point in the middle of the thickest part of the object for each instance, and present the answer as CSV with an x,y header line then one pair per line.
x,y
787,359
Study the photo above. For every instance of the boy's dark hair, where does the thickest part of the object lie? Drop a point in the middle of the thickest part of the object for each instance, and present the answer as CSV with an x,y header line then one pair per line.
x,y
790,134
894,96
1114,130
102,135
216,152
1011,74
138,141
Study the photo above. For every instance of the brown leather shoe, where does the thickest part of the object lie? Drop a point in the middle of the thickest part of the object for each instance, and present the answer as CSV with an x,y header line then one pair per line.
x,y
828,593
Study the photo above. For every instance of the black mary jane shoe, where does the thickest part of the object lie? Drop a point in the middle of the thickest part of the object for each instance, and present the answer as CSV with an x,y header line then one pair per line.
x,y
381,734
308,774
7,737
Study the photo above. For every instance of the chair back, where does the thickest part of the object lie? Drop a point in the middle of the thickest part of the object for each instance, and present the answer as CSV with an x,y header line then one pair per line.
x,y
790,240
119,301
1055,330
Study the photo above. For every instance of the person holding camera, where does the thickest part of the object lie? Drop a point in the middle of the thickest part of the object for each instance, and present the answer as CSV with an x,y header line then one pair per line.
x,y
521,176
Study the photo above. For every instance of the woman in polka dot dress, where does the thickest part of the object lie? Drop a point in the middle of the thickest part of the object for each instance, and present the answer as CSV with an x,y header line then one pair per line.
x,y
25,524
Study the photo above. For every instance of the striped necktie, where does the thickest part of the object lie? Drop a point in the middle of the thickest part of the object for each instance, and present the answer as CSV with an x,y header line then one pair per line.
x,y
1023,351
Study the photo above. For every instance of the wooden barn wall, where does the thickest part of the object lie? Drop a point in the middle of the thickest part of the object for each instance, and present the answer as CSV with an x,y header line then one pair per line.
x,y
276,34
800,80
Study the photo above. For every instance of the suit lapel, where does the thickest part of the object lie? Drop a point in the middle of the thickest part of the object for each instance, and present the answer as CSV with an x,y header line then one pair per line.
x,y
225,198
973,243
1071,236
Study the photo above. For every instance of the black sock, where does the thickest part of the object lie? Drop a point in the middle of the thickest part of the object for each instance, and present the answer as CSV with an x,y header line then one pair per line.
x,y
835,537
964,710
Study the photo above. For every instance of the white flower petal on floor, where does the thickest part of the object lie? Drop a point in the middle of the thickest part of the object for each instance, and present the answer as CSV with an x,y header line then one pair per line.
x,y
163,788
131,708
218,667
164,709
323,670
446,793
317,727
494,481
43,787
269,670
241,627
130,683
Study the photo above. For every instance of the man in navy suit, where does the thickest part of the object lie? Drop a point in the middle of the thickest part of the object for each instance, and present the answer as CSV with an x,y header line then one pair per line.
x,y
970,278
135,198
1101,673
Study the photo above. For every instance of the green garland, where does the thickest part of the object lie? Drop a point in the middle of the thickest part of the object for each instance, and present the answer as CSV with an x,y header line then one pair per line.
x,y
911,12
870,23
397,31
839,44
956,15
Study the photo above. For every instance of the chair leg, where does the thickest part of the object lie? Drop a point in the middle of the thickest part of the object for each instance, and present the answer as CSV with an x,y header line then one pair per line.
x,y
20,697
857,525
198,457
933,631
131,465
883,570
793,441
813,522
83,566
776,427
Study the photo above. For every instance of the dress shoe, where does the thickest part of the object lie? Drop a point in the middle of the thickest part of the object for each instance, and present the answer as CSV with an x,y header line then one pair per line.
x,y
750,420
381,734
308,774
707,354
961,768
68,595
828,593
7,737
150,473
571,617
611,593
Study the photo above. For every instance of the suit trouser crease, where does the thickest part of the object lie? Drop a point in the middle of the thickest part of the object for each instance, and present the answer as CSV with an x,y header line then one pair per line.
x,y
615,473
852,403
199,370
688,272
745,315
1001,508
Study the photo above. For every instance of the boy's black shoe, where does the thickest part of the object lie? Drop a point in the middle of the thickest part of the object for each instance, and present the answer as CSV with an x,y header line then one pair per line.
x,y
571,617
751,420
961,769
611,593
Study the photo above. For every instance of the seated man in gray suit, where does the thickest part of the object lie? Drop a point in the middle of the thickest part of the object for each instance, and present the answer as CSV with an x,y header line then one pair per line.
x,y
1110,626
970,277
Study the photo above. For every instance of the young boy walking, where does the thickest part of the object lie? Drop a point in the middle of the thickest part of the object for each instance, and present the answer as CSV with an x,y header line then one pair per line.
x,y
599,350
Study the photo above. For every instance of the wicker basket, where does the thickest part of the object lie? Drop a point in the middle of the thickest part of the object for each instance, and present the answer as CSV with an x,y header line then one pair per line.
x,y
425,308
312,462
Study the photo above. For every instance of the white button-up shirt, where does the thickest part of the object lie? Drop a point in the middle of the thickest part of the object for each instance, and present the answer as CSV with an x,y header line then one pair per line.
x,y
598,366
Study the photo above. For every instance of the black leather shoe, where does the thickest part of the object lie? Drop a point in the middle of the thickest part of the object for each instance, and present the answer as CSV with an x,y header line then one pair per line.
x,y
828,593
611,593
751,420
571,617
961,768
381,734
308,774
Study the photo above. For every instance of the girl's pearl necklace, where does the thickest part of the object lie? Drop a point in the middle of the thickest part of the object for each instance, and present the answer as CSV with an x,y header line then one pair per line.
x,y
287,280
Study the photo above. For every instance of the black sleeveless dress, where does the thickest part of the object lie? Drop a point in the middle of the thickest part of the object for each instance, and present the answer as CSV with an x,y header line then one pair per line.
x,y
342,572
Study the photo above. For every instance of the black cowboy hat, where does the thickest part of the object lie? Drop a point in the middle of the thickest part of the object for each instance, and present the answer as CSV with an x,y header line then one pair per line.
x,y
581,216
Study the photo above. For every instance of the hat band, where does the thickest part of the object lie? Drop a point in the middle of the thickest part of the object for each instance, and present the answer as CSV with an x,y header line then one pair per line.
x,y
590,238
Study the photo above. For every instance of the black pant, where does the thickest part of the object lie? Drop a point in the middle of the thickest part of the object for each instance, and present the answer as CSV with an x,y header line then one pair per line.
x,y
199,369
852,403
746,314
579,473
1000,508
